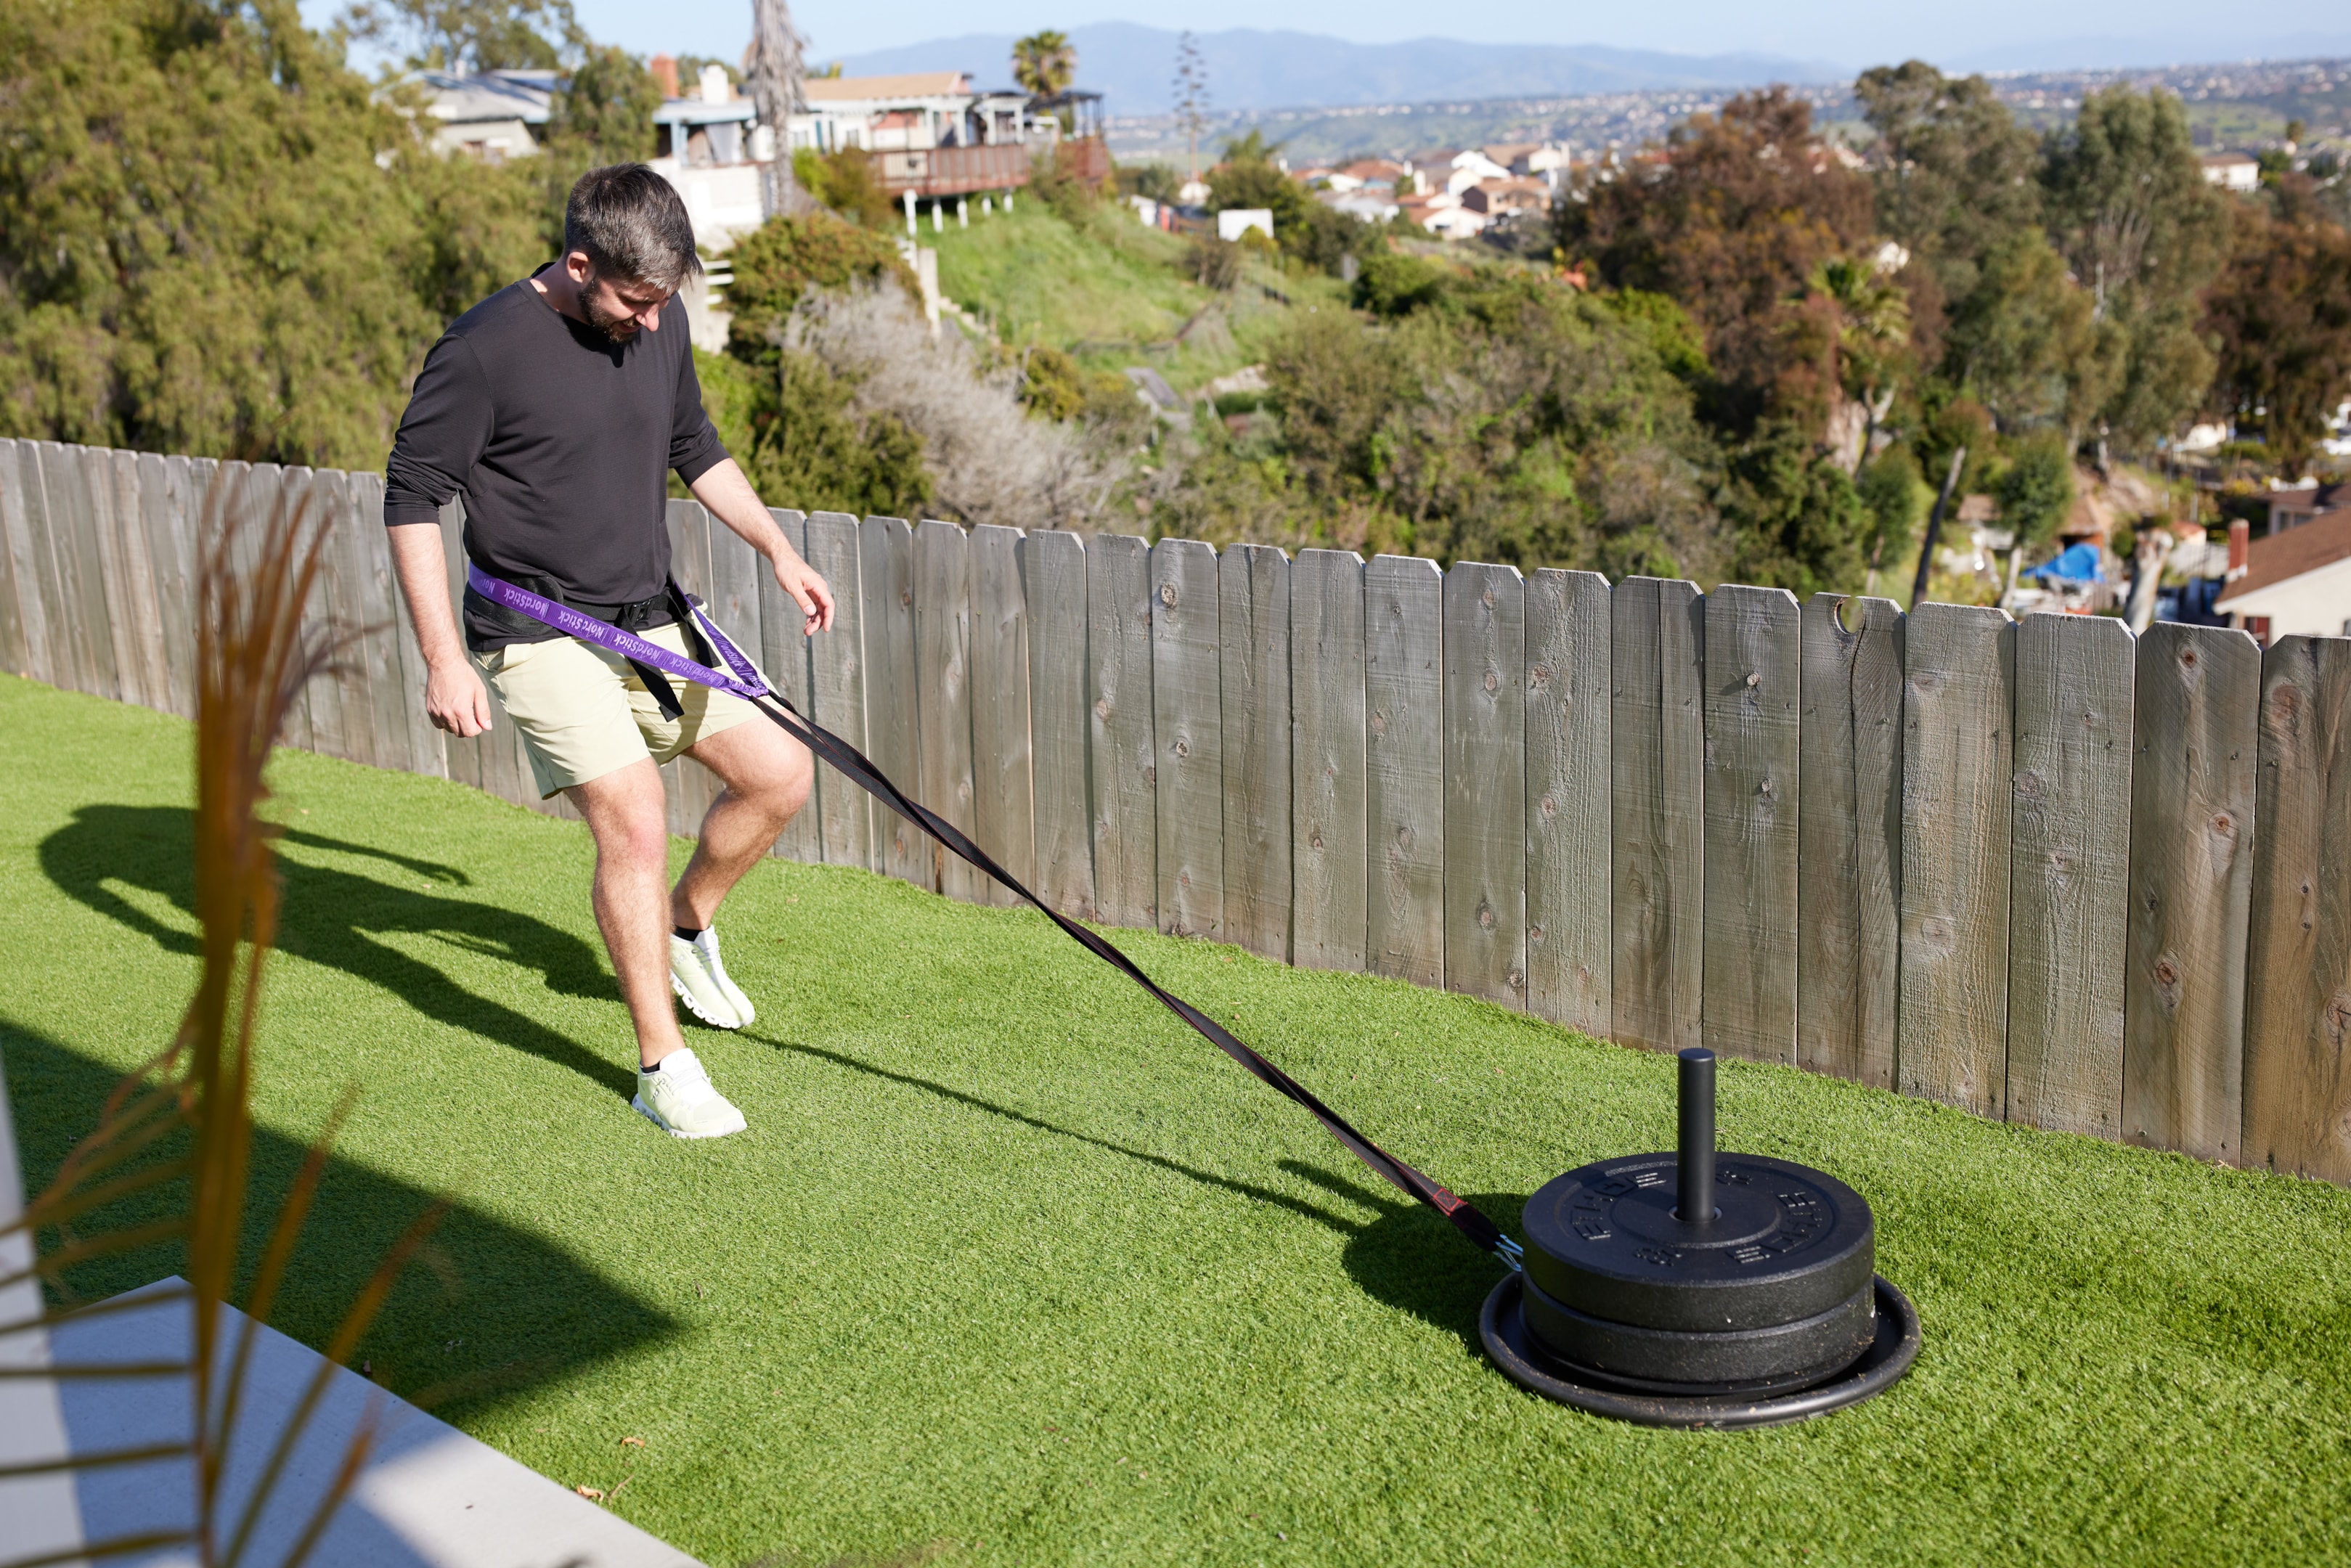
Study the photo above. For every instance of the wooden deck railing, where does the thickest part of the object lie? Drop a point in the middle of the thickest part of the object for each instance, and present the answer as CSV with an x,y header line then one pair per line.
x,y
2043,871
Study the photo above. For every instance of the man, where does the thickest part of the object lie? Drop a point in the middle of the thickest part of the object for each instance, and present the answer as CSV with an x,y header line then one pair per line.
x,y
557,407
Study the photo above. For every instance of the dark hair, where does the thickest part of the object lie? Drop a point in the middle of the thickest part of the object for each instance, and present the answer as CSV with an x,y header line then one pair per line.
x,y
630,225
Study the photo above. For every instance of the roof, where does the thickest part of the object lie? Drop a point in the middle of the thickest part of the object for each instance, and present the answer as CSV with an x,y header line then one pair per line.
x,y
859,89
2228,160
693,111
465,100
2277,558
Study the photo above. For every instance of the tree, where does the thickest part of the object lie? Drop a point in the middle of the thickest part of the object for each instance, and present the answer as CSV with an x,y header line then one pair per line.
x,y
2281,314
1731,223
777,71
1872,323
1045,63
1191,99
469,34
214,240
2023,341
2130,210
2035,491
602,112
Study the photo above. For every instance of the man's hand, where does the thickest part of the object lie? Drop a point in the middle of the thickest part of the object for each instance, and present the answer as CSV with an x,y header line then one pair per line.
x,y
808,590
455,700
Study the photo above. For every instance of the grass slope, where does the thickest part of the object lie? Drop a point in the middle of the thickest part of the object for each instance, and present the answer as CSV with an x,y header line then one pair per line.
x,y
1011,1269
1114,291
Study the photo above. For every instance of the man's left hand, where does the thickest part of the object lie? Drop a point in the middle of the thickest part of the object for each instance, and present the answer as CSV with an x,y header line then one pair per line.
x,y
807,590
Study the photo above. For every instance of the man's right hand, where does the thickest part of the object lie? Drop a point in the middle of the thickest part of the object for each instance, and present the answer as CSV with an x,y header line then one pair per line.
x,y
457,700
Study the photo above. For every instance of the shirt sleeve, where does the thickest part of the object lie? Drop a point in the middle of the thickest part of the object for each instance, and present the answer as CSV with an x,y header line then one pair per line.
x,y
695,448
442,435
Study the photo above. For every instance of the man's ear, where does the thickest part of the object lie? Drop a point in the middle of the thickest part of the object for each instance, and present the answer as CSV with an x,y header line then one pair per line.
x,y
579,269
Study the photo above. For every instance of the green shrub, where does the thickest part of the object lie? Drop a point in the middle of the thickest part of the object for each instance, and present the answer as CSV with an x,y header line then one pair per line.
x,y
784,257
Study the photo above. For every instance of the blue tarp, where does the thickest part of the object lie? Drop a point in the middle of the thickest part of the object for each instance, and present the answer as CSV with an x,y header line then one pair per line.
x,y
2075,563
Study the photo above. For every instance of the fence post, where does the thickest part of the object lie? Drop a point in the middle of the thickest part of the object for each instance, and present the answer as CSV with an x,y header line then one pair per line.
x,y
1187,730
1125,803
1000,726
1485,663
2069,873
2298,998
1657,754
1053,574
1404,726
1849,839
1253,587
1328,917
1754,698
1956,759
2194,766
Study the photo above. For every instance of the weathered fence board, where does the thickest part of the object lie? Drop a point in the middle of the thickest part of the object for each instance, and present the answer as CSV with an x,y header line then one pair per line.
x,y
2069,873
1849,839
50,518
314,721
138,634
943,708
1404,726
1753,703
1484,664
1125,802
783,654
730,595
1957,762
689,787
2193,788
1253,611
1053,579
168,509
25,527
396,665
1657,754
1004,807
893,704
2298,1023
836,688
1188,725
462,754
81,586
345,595
1569,978
1328,846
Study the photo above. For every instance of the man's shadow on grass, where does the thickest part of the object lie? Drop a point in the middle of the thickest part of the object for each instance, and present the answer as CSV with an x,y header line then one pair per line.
x,y
1407,1255
339,918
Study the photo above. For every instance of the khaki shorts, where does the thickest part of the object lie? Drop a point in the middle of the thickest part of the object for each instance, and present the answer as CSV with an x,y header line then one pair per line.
x,y
583,713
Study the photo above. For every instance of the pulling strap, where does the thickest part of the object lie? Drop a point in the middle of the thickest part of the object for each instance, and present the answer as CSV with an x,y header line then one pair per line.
x,y
741,677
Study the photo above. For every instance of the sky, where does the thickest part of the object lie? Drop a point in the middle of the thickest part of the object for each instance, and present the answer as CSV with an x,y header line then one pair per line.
x,y
1989,35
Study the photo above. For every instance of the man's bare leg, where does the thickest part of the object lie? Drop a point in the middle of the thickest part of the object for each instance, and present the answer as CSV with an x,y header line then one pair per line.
x,y
768,776
628,817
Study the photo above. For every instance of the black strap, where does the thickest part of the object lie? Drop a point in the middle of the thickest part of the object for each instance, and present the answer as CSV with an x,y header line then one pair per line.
x,y
859,769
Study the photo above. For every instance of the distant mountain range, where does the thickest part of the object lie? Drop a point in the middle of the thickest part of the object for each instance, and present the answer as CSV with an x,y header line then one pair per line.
x,y
1133,67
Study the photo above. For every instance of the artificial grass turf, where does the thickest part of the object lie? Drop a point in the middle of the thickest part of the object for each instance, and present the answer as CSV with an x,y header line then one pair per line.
x,y
1011,1268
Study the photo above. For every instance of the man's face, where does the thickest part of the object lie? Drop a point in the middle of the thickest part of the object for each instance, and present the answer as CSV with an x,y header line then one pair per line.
x,y
614,308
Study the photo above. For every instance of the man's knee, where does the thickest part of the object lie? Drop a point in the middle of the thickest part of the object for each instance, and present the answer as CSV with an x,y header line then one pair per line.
x,y
627,815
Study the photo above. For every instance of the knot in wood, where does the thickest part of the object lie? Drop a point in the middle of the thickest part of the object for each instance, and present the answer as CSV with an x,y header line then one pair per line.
x,y
1379,723
1151,775
1768,790
2028,784
1167,594
2167,978
1485,916
906,598
2223,824
1487,599
1754,678
1517,981
1493,683
1550,808
1534,933
2187,657
1182,747
1539,677
1102,709
1315,838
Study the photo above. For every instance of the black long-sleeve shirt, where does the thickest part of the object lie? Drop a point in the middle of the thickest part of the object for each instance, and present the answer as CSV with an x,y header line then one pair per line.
x,y
561,442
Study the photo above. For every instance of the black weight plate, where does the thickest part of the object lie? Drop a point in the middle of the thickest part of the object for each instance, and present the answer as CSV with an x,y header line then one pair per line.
x,y
1788,1242
1786,1356
1502,1328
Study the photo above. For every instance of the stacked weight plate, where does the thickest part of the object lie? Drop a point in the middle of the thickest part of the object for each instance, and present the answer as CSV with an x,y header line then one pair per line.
x,y
1744,1295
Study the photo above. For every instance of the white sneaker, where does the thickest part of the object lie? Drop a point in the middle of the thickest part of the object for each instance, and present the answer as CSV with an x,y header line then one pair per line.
x,y
702,983
680,1100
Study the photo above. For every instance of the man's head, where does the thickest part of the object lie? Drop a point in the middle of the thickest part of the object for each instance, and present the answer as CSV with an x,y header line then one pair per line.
x,y
629,246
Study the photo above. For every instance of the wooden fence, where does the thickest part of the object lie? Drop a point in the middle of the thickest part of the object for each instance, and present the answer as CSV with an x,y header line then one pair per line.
x,y
2043,871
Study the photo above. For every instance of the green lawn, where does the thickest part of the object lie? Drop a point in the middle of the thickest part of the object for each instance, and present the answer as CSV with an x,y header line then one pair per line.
x,y
1011,1269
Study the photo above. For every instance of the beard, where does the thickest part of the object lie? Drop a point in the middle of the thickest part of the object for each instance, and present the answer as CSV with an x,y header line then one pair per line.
x,y
618,325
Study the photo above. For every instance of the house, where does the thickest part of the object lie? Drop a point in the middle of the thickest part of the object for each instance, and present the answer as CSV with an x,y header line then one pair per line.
x,y
2294,583
2232,171
915,112
1377,174
1454,173
2295,505
1369,203
489,115
1506,197
1442,214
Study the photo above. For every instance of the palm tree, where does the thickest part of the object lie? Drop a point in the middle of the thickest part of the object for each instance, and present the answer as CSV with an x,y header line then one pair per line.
x,y
1873,329
1044,63
776,72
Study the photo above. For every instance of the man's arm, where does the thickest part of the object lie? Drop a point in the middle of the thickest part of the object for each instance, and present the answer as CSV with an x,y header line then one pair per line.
x,y
729,495
453,690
